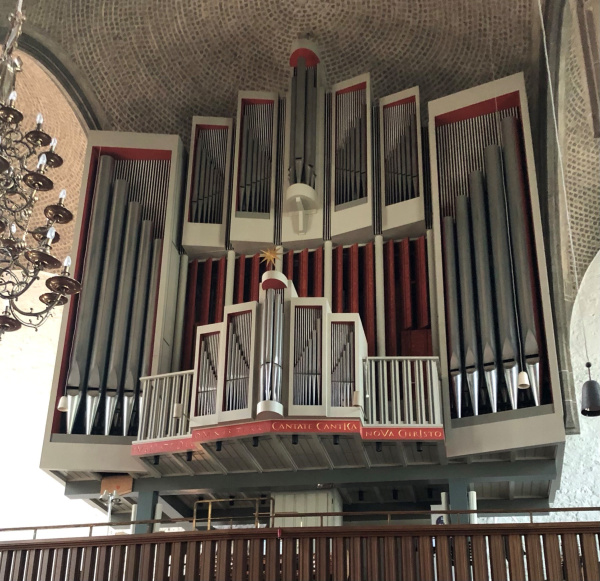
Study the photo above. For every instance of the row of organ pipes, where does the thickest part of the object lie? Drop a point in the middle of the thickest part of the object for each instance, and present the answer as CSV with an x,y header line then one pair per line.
x,y
112,342
489,284
490,293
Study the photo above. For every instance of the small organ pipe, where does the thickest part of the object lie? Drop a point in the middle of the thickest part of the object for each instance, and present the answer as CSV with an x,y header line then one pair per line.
x,y
151,310
453,310
133,360
180,313
467,300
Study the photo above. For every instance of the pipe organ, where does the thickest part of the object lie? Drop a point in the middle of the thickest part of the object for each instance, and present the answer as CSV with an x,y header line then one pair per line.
x,y
282,355
335,181
495,323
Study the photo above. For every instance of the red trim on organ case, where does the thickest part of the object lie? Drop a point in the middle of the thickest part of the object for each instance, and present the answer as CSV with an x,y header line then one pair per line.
x,y
369,297
404,272
421,283
338,279
358,87
477,109
317,280
310,58
220,294
288,265
205,296
390,300
190,316
288,426
255,277
354,269
303,273
401,102
240,274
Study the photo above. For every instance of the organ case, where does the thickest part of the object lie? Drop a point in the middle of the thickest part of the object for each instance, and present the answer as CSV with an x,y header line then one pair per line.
x,y
487,226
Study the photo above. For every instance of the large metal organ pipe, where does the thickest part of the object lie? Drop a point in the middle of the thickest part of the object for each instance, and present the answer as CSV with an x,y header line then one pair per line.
x,y
483,273
88,300
518,212
271,353
96,388
505,300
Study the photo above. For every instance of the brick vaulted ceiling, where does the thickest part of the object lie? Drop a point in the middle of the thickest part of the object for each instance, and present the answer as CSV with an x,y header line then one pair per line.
x,y
153,64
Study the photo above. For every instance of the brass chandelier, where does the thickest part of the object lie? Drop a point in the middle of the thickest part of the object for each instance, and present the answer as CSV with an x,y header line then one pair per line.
x,y
26,157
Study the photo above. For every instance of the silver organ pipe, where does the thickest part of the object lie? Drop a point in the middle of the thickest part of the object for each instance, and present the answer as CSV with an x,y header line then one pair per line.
x,y
467,294
350,146
509,342
88,300
307,357
456,364
342,364
209,175
133,362
237,378
271,346
116,366
105,319
208,365
256,158
481,252
518,212
400,156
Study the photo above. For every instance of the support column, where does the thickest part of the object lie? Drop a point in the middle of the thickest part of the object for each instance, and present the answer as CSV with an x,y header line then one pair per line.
x,y
380,295
229,278
328,271
459,500
146,509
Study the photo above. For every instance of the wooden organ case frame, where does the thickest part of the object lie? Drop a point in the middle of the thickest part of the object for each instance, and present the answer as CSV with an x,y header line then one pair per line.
x,y
351,219
537,425
80,452
204,232
405,217
248,206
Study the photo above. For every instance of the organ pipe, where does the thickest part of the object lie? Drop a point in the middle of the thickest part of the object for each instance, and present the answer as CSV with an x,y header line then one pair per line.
x,y
133,362
518,216
467,300
116,367
453,310
481,252
106,307
88,300
502,270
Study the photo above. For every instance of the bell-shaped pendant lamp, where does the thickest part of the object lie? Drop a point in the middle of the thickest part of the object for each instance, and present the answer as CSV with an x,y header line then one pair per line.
x,y
590,397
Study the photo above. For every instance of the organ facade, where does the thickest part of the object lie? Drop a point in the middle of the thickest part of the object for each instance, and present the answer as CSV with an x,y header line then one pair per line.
x,y
404,320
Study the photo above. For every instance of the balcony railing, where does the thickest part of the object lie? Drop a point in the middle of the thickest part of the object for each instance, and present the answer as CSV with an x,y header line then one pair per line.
x,y
402,391
165,405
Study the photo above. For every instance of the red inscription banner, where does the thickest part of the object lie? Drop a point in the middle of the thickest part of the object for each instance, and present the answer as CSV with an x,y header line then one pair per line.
x,y
323,426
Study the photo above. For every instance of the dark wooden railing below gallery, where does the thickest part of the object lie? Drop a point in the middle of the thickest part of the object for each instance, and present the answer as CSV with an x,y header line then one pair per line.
x,y
539,551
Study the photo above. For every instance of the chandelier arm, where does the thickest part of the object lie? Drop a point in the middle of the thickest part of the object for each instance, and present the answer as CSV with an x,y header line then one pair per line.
x,y
43,313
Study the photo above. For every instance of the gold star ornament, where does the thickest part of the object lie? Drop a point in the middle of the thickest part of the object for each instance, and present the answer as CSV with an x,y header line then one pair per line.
x,y
270,256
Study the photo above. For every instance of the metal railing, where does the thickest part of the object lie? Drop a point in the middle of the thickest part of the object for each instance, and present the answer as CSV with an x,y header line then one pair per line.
x,y
402,391
166,401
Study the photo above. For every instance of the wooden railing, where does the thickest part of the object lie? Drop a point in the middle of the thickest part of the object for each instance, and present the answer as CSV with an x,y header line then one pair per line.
x,y
552,552
402,391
